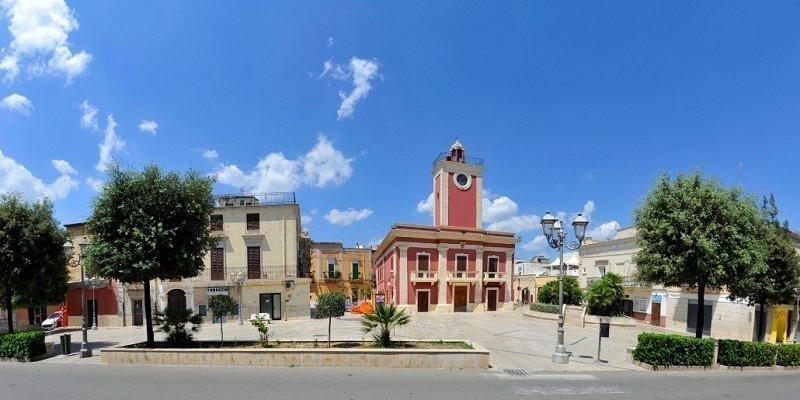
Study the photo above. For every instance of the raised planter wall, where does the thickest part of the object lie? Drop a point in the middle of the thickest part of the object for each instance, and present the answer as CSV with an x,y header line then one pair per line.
x,y
476,358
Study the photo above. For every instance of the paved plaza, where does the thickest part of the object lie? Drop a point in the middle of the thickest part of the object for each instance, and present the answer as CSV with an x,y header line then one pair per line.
x,y
516,341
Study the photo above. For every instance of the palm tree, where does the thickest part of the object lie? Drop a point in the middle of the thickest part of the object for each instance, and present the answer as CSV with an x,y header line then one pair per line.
x,y
386,317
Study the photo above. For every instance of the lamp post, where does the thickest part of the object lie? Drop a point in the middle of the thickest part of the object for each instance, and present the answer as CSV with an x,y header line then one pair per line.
x,y
555,234
94,304
68,251
237,278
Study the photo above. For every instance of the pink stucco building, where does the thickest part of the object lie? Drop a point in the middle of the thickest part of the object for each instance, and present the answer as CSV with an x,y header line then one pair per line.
x,y
454,265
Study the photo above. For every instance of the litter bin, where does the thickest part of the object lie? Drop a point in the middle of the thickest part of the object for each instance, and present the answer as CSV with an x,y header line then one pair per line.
x,y
66,344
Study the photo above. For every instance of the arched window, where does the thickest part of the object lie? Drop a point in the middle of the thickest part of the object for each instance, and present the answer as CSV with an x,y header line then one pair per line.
x,y
176,300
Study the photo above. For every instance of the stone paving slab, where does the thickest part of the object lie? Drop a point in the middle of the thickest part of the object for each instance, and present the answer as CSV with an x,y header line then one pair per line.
x,y
515,341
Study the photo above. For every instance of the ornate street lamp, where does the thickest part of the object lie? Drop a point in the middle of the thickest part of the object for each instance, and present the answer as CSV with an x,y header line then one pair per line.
x,y
556,236
237,278
68,251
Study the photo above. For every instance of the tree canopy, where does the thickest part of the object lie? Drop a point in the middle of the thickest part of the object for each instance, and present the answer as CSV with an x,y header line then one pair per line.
x,y
32,260
330,305
775,281
221,305
548,294
693,231
149,224
604,296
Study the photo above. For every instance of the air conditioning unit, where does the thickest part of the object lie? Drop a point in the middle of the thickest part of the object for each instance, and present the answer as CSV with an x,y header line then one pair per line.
x,y
288,284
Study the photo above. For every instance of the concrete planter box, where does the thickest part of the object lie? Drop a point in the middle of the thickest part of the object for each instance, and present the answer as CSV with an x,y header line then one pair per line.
x,y
475,358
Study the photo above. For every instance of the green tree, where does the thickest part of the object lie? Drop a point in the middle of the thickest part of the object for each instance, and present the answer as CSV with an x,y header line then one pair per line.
x,y
385,317
775,281
221,305
695,232
304,256
330,305
32,260
263,330
548,294
179,325
604,296
148,225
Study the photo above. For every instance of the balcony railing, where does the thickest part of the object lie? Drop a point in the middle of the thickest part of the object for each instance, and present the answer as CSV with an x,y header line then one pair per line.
x,y
423,276
462,276
264,272
446,156
255,199
494,276
332,276
357,276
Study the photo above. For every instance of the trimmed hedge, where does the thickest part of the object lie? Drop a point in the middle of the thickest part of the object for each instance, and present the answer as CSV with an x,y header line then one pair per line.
x,y
546,308
788,355
737,353
674,350
22,345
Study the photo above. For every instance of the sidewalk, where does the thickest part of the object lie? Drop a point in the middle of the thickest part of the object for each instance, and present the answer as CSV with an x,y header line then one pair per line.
x,y
515,341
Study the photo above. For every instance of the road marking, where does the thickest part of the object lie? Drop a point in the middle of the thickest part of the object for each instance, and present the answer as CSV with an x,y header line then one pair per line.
x,y
545,377
524,391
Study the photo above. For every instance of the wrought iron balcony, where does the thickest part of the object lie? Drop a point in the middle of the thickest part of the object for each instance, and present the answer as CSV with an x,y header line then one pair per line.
x,y
332,276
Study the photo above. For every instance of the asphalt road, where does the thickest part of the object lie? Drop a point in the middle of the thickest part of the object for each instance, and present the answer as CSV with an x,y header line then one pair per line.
x,y
97,381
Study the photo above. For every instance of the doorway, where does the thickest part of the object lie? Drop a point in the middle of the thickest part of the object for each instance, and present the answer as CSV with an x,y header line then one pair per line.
x,y
91,312
460,299
655,314
270,303
779,325
138,311
423,299
491,299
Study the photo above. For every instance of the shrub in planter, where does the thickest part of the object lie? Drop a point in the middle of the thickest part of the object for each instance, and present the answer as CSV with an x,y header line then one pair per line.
x,y
788,355
736,353
22,345
545,308
669,349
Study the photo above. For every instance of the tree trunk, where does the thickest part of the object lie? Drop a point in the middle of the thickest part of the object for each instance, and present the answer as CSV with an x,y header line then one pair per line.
x,y
9,310
148,315
221,337
329,331
701,310
760,337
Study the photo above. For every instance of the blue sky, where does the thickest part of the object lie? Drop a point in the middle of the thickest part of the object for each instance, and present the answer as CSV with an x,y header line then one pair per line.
x,y
575,106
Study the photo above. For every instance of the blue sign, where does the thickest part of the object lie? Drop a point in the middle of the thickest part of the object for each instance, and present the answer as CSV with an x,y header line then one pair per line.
x,y
656,298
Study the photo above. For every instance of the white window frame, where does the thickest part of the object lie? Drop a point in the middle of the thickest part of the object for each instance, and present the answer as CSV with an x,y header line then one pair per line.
x,y
417,297
429,260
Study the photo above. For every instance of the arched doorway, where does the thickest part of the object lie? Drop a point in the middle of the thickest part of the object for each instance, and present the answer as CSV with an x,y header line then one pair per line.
x,y
176,300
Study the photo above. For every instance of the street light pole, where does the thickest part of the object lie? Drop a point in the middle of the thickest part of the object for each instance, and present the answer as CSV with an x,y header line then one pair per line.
x,y
94,304
86,351
556,235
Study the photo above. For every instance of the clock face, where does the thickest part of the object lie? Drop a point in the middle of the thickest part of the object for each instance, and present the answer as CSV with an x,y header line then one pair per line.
x,y
463,181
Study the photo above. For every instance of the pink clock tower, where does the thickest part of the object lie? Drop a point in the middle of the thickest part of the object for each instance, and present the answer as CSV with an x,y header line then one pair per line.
x,y
457,187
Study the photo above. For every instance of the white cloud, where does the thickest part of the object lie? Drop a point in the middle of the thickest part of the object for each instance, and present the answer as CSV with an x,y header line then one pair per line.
x,y
426,206
88,115
63,167
40,40
330,42
18,103
516,224
499,209
305,219
538,243
322,166
111,143
209,155
605,231
347,217
16,178
362,71
148,126
95,184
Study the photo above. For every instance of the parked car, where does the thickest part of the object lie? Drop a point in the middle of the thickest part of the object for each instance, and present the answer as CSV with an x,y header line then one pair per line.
x,y
52,322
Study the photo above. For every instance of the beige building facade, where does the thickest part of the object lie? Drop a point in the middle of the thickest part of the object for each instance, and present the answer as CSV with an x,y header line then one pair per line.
x,y
255,260
344,269
676,307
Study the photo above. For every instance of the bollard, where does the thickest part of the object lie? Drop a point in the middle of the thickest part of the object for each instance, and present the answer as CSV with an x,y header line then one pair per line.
x,y
605,328
66,343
